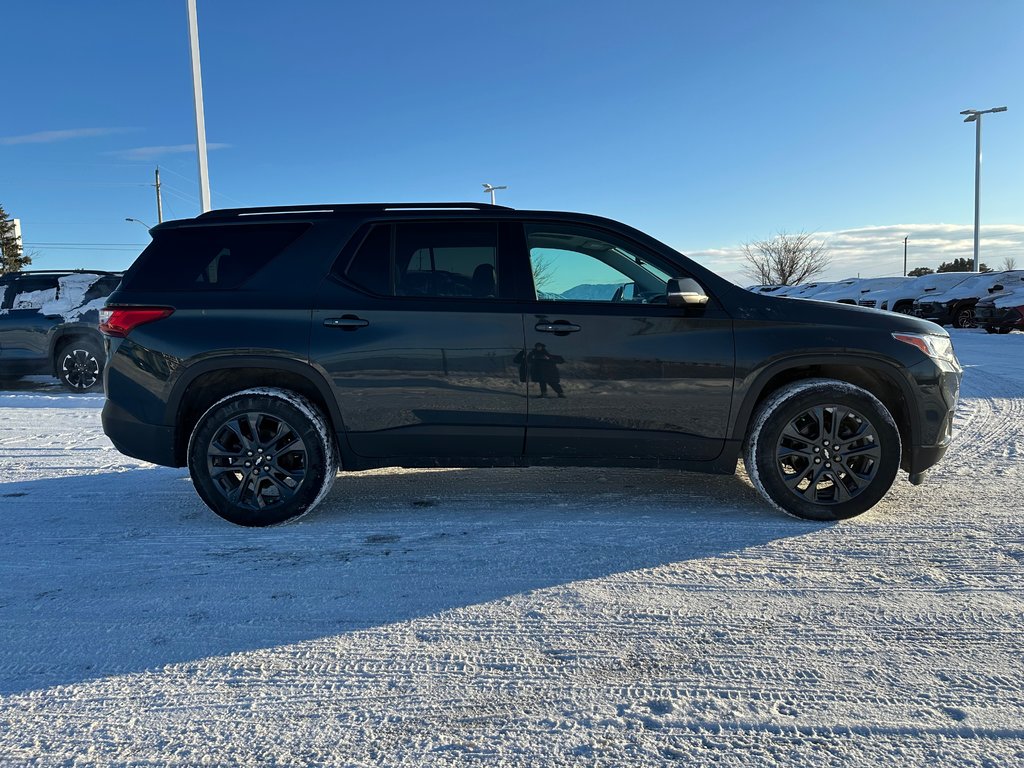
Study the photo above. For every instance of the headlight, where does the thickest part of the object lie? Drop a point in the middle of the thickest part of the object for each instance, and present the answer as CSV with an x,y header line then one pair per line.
x,y
936,347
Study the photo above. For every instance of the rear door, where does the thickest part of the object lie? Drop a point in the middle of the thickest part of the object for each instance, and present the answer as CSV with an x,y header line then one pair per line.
x,y
23,326
418,330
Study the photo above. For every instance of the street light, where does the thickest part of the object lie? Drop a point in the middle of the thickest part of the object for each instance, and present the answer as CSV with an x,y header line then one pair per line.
x,y
905,255
974,116
490,188
138,221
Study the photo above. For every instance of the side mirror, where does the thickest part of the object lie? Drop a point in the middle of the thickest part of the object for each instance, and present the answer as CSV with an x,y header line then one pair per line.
x,y
685,292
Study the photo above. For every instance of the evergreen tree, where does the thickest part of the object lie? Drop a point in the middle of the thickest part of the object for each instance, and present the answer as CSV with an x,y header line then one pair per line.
x,y
961,265
12,258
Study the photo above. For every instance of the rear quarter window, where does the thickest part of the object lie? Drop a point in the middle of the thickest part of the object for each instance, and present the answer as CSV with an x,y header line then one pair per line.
x,y
208,258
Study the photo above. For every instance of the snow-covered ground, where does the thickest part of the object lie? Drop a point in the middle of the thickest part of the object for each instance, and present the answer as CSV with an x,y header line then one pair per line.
x,y
527,617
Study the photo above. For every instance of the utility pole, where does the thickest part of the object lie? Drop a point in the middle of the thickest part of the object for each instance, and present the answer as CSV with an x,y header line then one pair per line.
x,y
159,202
974,116
905,255
197,93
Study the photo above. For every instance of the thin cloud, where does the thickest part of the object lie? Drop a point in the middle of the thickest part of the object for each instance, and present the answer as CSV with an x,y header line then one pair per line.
x,y
877,251
152,153
48,137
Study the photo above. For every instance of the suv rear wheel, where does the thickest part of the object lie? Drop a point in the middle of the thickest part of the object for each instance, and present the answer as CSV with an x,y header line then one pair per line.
x,y
822,449
262,457
79,364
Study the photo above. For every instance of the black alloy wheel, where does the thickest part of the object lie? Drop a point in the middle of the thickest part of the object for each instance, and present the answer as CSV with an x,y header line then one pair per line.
x,y
80,366
256,460
262,457
822,449
828,454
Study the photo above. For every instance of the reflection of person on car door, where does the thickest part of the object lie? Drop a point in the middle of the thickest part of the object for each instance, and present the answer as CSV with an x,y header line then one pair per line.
x,y
542,367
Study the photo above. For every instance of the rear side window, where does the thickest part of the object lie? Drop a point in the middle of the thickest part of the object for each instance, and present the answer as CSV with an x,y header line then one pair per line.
x,y
208,258
442,260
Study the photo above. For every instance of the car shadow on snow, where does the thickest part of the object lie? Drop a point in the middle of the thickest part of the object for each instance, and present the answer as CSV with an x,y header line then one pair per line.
x,y
127,571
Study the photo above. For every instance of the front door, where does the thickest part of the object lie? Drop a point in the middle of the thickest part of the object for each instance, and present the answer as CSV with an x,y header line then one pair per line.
x,y
419,341
612,370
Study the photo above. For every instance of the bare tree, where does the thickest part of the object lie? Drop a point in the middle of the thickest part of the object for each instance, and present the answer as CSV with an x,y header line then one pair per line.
x,y
543,270
1009,262
785,259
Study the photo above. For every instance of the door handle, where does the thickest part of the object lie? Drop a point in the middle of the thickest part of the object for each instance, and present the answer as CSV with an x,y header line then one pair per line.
x,y
346,322
559,327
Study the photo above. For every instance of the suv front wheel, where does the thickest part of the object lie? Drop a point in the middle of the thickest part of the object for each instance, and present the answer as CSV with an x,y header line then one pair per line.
x,y
262,456
822,449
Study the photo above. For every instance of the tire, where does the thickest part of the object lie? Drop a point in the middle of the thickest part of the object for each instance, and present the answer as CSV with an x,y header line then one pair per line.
x,y
1005,330
228,450
79,364
906,308
799,418
964,317
992,329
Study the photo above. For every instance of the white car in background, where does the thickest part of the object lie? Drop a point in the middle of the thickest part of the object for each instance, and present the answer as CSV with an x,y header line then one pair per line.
x,y
902,297
807,290
849,291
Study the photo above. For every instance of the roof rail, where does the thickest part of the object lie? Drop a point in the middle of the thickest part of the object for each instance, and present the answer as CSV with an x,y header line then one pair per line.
x,y
230,213
62,272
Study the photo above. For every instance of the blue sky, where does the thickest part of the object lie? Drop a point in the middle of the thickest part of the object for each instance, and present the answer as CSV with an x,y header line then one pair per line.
x,y
706,124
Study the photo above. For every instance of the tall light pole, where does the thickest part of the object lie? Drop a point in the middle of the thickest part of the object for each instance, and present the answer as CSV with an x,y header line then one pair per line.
x,y
974,116
197,92
490,188
137,221
905,255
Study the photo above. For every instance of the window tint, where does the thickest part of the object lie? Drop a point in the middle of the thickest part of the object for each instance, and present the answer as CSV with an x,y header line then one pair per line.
x,y
450,259
576,264
370,268
204,258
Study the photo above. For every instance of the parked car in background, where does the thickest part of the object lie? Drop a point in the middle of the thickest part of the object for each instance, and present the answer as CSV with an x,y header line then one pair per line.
x,y
841,292
956,306
263,347
49,325
867,288
808,290
769,288
1002,311
901,298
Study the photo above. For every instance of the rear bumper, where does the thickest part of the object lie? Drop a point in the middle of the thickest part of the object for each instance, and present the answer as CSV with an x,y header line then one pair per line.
x,y
150,442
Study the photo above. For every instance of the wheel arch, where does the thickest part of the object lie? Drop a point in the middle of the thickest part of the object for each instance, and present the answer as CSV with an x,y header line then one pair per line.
x,y
211,380
877,377
66,333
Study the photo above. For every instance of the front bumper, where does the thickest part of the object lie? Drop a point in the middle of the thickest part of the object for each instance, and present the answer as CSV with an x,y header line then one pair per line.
x,y
937,385
937,313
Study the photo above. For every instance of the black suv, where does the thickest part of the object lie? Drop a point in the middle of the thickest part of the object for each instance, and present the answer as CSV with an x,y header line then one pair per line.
x,y
48,325
267,347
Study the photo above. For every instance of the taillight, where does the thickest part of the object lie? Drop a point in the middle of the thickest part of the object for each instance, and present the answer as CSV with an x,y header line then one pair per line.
x,y
120,321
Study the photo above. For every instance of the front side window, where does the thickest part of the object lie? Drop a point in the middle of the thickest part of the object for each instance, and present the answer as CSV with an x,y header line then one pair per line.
x,y
577,264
